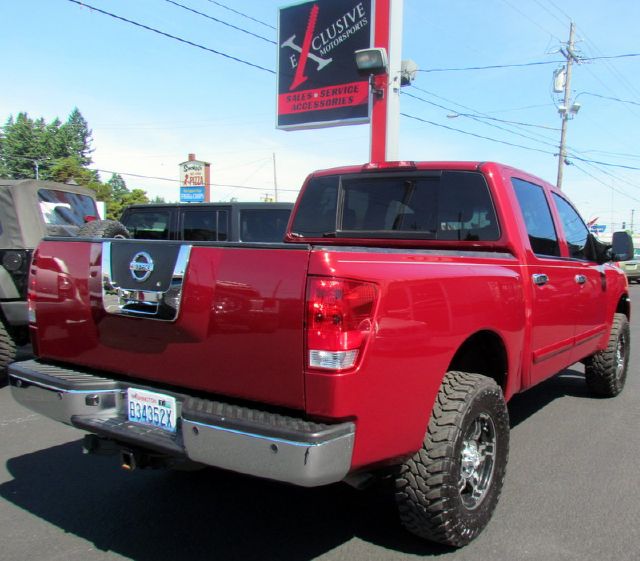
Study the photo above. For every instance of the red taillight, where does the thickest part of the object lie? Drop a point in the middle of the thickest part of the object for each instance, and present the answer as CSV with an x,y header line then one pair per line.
x,y
339,320
31,293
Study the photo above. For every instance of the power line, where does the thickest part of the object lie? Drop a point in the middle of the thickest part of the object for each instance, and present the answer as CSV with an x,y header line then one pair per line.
x,y
546,140
608,164
475,135
481,116
614,176
525,64
605,184
139,176
241,29
538,25
560,10
491,67
610,97
178,181
242,14
554,16
573,156
186,41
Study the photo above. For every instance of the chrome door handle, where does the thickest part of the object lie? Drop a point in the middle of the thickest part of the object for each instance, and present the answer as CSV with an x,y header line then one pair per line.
x,y
581,279
540,279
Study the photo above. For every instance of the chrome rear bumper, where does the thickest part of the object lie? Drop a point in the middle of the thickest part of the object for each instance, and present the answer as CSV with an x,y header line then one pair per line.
x,y
214,433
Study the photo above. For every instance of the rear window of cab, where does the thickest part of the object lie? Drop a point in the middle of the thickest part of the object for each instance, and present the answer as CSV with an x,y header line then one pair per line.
x,y
441,205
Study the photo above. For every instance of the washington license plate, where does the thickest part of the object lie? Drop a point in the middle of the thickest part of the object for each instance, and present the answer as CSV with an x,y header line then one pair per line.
x,y
153,409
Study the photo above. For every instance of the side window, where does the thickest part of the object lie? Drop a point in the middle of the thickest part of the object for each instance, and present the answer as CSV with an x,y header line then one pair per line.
x,y
62,208
574,228
147,224
537,218
263,225
316,213
223,225
204,225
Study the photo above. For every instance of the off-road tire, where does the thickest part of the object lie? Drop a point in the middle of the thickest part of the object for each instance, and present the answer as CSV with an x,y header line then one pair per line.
x,y
606,371
103,229
431,488
7,351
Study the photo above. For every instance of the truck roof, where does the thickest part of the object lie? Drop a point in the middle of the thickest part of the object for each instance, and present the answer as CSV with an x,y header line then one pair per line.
x,y
240,205
409,165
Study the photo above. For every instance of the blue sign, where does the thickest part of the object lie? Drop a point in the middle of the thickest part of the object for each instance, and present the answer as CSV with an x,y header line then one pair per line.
x,y
191,194
598,228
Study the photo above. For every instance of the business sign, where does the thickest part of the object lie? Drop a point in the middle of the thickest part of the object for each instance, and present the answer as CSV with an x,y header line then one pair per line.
x,y
192,194
318,83
194,181
192,173
598,228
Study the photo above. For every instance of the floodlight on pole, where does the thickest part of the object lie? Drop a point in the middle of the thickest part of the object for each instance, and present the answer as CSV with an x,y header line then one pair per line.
x,y
372,62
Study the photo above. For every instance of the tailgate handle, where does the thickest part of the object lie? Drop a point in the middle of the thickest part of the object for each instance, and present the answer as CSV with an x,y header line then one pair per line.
x,y
156,305
540,279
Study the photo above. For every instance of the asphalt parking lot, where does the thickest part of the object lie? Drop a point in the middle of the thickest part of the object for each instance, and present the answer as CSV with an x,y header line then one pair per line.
x,y
572,492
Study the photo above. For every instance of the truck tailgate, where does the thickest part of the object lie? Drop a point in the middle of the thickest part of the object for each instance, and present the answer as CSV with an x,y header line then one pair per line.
x,y
236,309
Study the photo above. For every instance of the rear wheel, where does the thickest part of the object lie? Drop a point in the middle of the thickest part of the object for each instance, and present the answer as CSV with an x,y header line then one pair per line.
x,y
606,371
448,490
7,351
103,229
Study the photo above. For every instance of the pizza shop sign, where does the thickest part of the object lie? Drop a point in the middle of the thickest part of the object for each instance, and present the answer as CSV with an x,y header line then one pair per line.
x,y
192,174
318,83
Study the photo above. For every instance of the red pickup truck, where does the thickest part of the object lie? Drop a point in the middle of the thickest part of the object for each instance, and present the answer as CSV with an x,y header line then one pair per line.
x,y
408,303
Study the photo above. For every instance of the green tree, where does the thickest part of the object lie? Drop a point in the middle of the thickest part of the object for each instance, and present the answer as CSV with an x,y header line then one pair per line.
x,y
68,170
18,146
117,205
60,152
76,137
118,186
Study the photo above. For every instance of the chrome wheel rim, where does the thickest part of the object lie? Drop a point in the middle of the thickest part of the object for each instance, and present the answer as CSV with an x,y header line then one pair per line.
x,y
477,461
621,354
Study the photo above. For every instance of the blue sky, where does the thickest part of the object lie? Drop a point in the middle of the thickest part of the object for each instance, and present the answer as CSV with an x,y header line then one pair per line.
x,y
151,100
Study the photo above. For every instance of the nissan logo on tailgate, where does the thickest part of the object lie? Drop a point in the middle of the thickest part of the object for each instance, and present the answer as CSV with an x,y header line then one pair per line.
x,y
141,266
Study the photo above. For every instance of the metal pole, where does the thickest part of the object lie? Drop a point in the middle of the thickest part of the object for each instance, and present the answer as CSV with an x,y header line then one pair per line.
x,y
275,178
562,156
385,112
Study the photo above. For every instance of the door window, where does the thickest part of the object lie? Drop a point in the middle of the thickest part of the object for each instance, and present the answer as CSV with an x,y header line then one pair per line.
x,y
537,218
575,230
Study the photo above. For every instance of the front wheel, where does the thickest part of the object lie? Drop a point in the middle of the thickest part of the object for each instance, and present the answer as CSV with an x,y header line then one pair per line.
x,y
7,351
449,489
606,371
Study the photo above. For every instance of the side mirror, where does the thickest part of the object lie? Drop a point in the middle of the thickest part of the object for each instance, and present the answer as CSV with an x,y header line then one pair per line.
x,y
621,246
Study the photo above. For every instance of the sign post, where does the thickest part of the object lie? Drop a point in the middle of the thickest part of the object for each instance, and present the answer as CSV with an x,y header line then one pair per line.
x,y
385,113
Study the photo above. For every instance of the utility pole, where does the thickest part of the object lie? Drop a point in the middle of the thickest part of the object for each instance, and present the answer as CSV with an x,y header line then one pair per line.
x,y
275,178
633,211
565,110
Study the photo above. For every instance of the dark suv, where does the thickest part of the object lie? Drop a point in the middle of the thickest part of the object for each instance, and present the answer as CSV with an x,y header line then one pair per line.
x,y
217,222
29,211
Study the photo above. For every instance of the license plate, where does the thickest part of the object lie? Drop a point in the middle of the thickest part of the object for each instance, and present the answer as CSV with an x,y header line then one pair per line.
x,y
153,409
